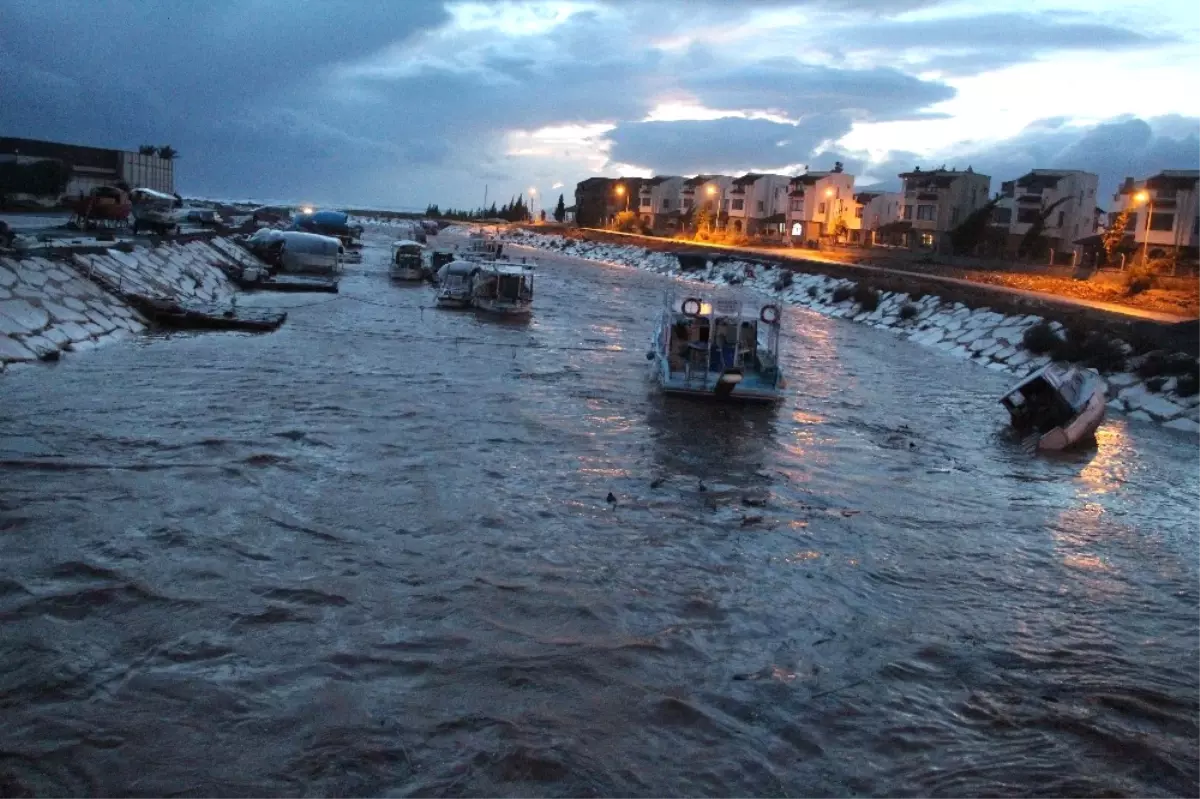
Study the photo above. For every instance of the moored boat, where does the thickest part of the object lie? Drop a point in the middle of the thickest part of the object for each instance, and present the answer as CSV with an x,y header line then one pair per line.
x,y
1060,404
503,288
722,348
407,262
482,247
455,283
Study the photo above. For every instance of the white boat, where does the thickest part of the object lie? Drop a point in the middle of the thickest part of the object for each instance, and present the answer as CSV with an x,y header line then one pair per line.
x,y
154,211
309,253
1059,405
722,348
482,247
455,281
503,288
407,261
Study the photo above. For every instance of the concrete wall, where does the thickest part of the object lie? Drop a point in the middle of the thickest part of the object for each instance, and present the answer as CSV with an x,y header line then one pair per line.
x,y
65,301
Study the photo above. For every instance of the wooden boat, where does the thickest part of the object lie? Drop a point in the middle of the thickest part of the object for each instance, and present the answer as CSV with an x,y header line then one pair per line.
x,y
723,349
503,288
406,263
1060,404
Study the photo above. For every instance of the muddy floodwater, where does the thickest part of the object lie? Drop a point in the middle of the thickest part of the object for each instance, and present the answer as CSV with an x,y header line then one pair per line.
x,y
371,554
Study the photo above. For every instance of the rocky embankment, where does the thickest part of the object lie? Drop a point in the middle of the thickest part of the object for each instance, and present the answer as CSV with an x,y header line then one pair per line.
x,y
994,340
60,301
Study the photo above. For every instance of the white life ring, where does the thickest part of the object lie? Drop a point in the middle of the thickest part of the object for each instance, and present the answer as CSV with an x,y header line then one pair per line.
x,y
769,314
691,306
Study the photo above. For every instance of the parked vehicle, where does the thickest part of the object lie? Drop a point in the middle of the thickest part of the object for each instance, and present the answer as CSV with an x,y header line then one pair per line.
x,y
721,348
1060,404
206,217
309,253
154,211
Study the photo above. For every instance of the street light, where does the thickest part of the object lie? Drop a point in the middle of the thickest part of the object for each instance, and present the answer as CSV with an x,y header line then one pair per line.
x,y
712,190
533,202
1139,198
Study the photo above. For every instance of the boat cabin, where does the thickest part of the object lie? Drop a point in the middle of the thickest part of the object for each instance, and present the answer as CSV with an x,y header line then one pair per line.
x,y
407,253
503,287
483,247
1050,397
711,345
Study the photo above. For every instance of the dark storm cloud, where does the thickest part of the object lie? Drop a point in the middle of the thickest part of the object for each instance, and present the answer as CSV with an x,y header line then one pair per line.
x,y
786,86
970,45
731,144
1113,149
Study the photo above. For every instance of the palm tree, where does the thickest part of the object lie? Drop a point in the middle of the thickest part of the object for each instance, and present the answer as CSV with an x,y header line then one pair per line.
x,y
147,149
167,153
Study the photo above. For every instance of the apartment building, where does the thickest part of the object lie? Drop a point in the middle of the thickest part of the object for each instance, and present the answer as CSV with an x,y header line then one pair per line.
x,y
816,202
1063,199
938,200
1163,212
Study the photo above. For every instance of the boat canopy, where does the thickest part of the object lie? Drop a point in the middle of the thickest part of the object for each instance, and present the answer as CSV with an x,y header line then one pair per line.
x,y
1074,386
309,243
406,244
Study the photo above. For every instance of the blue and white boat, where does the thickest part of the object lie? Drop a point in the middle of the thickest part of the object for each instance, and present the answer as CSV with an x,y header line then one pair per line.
x,y
722,348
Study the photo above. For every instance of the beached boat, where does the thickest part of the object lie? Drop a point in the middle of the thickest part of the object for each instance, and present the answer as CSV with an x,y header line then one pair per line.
x,y
1060,404
455,281
438,259
503,288
407,262
722,348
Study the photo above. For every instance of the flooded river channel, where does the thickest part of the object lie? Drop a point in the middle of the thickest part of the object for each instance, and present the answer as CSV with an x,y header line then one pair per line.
x,y
371,554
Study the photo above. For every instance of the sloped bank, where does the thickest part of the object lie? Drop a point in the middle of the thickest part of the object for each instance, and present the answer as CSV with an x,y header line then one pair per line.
x,y
992,339
59,301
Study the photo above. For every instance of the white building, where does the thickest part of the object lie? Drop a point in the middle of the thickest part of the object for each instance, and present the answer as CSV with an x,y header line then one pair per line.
x,y
659,202
702,191
873,210
817,201
939,200
1163,211
1065,199
756,203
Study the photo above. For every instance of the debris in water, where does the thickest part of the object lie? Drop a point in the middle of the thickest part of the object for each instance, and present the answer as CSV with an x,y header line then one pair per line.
x,y
657,481
610,499
749,520
755,500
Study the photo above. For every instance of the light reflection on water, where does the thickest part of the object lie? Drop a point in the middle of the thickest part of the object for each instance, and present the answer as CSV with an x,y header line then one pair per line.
x,y
347,559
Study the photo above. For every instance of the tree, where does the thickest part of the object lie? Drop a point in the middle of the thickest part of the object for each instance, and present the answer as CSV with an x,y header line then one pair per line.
x,y
838,166
167,153
560,210
627,222
703,218
840,228
1032,243
432,210
966,238
1114,235
147,149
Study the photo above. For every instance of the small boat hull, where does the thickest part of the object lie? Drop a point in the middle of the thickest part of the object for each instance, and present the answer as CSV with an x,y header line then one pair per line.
x,y
503,308
1079,429
456,303
407,275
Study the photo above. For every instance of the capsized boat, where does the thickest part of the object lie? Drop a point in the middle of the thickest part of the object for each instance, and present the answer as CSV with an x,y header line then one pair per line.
x,y
723,348
407,262
503,288
1060,403
455,281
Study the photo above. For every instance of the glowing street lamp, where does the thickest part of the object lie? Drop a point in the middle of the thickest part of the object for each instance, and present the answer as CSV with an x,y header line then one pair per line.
x,y
1140,198
621,193
533,202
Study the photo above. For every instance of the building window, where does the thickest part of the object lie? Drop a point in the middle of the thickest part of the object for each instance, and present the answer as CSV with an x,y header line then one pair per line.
x,y
666,203
739,205
797,205
687,202
797,230
1062,218
760,206
1160,221
926,212
645,202
858,212
908,212
1003,216
821,208
1027,216
926,239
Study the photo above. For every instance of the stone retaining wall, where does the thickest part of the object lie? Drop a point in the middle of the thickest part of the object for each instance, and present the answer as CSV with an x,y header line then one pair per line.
x,y
62,301
992,339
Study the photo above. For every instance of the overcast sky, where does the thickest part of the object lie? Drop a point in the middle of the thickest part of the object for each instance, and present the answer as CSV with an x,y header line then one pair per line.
x,y
397,103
